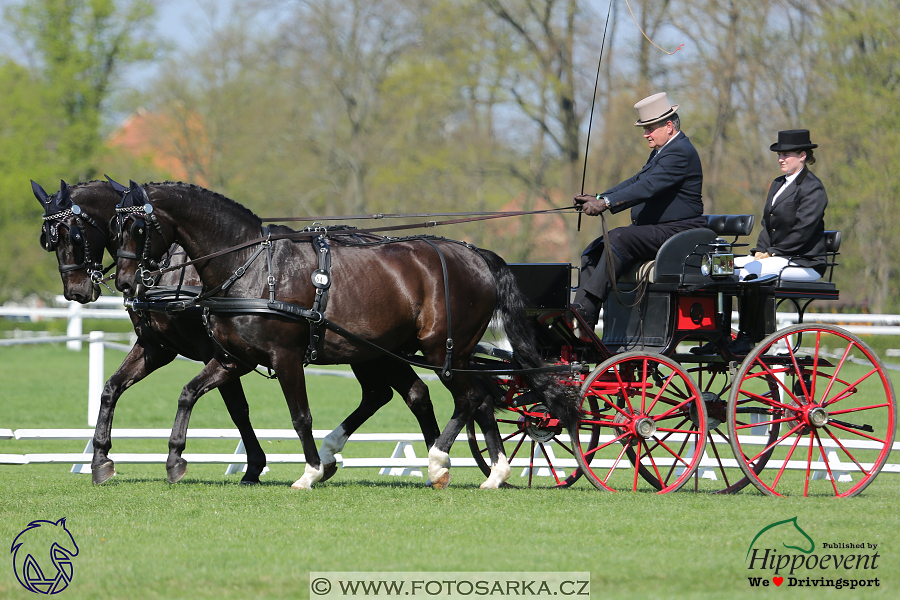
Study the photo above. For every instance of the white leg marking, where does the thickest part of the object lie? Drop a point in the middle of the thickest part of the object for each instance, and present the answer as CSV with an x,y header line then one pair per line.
x,y
500,472
332,444
310,476
438,468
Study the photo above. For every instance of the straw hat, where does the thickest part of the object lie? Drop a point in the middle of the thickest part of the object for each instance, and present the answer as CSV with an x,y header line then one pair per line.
x,y
654,109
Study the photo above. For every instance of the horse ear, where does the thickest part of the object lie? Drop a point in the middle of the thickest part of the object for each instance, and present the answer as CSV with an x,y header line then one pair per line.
x,y
143,192
118,187
65,198
39,193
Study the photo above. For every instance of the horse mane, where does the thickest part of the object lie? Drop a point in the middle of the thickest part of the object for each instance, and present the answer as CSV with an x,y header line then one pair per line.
x,y
200,190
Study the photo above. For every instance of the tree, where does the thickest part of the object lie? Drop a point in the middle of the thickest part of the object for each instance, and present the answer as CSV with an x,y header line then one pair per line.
x,y
79,46
857,113
51,114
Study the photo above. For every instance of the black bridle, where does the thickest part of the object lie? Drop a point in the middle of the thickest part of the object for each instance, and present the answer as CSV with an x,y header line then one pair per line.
x,y
126,210
77,237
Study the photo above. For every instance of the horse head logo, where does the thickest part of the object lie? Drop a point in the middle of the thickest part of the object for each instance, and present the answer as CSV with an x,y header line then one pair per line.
x,y
42,556
787,531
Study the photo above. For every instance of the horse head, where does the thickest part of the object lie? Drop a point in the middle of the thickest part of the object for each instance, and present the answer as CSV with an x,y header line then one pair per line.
x,y
77,231
142,237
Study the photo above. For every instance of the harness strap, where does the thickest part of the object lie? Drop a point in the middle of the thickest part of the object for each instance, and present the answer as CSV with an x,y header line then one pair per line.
x,y
321,279
264,244
447,372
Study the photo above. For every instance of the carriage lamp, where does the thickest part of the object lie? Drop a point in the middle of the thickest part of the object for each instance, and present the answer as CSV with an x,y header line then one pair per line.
x,y
718,264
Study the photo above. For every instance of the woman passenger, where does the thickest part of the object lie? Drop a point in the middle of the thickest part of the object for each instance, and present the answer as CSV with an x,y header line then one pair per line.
x,y
792,241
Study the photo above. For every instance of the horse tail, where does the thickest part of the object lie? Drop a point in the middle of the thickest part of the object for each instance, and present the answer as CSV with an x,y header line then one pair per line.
x,y
519,329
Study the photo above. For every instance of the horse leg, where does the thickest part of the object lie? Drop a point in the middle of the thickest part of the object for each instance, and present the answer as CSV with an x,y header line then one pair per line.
x,y
466,398
375,394
213,375
376,378
236,402
142,360
500,470
293,385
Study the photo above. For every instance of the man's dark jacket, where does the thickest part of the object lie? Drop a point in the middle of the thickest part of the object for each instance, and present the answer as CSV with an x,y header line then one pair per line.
x,y
668,188
796,224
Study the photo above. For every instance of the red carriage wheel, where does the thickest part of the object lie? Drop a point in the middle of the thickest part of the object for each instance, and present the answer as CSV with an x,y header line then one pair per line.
x,y
646,408
834,405
534,441
720,473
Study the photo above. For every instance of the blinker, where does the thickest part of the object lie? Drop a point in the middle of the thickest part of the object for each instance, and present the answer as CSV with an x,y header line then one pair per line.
x,y
76,236
138,231
46,242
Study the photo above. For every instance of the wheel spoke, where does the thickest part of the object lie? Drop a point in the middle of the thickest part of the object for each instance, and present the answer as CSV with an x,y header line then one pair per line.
x,y
719,459
827,464
786,459
776,442
518,445
550,463
653,463
808,466
847,452
848,391
856,432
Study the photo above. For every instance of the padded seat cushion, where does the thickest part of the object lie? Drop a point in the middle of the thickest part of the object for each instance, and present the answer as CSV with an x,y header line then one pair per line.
x,y
728,225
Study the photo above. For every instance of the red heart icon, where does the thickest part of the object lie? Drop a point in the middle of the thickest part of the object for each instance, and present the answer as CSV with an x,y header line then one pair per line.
x,y
778,580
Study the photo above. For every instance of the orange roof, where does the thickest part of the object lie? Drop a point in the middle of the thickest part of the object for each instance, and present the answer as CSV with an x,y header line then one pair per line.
x,y
165,141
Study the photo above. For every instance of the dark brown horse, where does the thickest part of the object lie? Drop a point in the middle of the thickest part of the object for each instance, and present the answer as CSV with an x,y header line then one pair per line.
x,y
390,297
79,241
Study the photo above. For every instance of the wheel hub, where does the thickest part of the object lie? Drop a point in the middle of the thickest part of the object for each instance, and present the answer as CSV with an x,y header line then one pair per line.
x,y
817,417
715,410
645,427
539,426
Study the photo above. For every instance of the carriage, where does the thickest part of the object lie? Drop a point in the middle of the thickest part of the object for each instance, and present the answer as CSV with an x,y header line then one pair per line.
x,y
810,410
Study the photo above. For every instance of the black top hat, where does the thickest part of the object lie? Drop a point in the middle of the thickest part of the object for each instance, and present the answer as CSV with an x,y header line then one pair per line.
x,y
793,140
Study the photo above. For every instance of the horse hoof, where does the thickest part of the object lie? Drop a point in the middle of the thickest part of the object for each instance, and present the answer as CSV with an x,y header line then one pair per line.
x,y
441,479
177,471
103,472
330,470
310,476
246,481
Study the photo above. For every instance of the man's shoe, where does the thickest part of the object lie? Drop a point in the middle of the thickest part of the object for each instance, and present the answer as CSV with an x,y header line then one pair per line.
x,y
741,345
706,349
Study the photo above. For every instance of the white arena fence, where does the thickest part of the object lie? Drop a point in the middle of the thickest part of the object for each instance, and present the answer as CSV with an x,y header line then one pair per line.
x,y
402,461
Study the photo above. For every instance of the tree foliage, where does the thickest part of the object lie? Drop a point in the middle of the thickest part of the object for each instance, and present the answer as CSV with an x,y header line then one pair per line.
x,y
53,110
317,107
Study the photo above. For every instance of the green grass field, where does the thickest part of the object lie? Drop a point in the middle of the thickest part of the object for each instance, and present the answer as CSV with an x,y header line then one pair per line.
x,y
208,537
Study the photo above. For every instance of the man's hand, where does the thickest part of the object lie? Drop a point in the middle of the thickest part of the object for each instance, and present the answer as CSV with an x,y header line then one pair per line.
x,y
591,205
760,255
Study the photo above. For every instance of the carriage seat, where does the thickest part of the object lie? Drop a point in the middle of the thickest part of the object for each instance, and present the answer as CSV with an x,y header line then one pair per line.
x,y
822,289
682,253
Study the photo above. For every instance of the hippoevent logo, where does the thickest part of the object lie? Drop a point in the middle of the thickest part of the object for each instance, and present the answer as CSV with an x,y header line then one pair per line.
x,y
42,556
782,553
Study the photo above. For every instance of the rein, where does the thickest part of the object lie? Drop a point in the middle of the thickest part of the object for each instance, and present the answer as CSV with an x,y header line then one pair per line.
x,y
407,216
299,235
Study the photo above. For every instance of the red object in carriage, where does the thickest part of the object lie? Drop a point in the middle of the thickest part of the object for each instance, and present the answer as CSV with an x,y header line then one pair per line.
x,y
810,410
